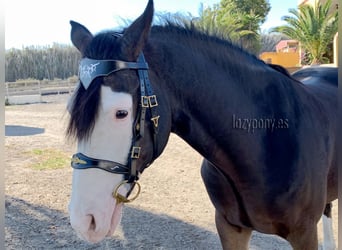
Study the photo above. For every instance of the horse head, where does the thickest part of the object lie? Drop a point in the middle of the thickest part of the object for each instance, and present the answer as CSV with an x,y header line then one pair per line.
x,y
115,115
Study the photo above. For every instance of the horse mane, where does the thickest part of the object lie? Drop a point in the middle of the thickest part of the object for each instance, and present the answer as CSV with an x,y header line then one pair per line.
x,y
215,40
181,31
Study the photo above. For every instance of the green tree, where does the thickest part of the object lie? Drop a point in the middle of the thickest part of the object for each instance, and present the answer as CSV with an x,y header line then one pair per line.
x,y
226,27
313,27
259,8
250,14
49,62
238,20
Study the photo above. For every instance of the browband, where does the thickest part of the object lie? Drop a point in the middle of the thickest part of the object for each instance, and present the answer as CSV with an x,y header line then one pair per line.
x,y
90,69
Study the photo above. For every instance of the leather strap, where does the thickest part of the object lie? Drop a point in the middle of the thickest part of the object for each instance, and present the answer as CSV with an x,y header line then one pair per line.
x,y
80,161
90,69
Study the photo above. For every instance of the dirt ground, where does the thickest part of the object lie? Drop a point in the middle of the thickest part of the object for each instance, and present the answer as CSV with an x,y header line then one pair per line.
x,y
172,212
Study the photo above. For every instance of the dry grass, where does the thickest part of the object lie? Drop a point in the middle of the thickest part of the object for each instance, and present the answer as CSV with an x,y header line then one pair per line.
x,y
45,159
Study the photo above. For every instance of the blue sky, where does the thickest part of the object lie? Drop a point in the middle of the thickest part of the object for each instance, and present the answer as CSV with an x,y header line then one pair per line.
x,y
43,22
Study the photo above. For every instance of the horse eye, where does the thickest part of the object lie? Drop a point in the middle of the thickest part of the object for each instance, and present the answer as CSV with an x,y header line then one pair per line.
x,y
121,114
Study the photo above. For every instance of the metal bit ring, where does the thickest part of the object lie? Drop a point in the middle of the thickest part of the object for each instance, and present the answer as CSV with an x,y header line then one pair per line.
x,y
120,198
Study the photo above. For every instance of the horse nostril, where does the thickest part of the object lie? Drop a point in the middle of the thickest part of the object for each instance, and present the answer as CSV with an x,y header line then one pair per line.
x,y
92,224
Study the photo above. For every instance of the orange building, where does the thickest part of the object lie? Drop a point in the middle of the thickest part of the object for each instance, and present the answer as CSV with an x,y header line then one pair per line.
x,y
287,46
286,55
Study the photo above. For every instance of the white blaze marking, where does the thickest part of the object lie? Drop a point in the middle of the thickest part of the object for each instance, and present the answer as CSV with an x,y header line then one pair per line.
x,y
111,138
92,188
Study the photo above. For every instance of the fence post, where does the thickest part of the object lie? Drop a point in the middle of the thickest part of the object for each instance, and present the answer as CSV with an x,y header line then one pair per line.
x,y
7,92
39,88
69,88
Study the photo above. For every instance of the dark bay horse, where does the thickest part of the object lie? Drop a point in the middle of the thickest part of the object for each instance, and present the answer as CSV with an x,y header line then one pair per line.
x,y
267,139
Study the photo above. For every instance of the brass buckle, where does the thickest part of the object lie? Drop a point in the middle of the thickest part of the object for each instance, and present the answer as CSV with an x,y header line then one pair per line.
x,y
135,154
149,101
77,160
145,101
153,101
120,198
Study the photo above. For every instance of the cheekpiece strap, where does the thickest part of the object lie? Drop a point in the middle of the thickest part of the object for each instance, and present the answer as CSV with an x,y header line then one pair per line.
x,y
89,69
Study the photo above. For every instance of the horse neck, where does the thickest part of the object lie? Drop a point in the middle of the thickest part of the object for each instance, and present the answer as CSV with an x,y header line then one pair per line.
x,y
204,93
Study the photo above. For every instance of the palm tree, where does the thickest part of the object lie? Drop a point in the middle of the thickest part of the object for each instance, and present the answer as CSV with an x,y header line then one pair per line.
x,y
314,27
237,27
211,22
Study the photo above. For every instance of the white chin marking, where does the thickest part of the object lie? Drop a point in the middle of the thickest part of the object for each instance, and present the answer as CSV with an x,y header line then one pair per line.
x,y
328,242
94,213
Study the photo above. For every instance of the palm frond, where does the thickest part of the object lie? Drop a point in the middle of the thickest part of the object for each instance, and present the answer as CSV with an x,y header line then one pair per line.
x,y
312,26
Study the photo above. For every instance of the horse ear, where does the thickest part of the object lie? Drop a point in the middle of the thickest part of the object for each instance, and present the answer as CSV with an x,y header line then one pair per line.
x,y
80,36
136,35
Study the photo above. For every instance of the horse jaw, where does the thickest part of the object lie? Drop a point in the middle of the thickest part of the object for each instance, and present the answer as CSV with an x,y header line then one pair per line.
x,y
94,213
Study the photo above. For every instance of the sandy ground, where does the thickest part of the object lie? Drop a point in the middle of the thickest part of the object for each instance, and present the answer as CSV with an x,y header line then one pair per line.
x,y
172,212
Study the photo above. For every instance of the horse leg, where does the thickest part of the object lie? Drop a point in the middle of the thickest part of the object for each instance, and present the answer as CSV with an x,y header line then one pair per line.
x,y
329,242
232,237
231,220
304,237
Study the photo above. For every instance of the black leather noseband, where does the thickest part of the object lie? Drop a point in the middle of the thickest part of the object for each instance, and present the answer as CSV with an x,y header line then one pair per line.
x,y
91,69
80,161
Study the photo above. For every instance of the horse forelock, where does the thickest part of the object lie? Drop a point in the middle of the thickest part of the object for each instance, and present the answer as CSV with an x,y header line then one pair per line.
x,y
83,111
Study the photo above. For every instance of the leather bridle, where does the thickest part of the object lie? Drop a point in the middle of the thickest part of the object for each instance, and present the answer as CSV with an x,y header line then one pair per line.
x,y
89,70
